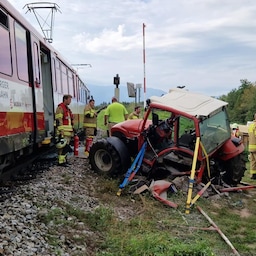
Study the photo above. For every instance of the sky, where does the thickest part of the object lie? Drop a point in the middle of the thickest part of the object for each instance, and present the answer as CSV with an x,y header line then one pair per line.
x,y
208,46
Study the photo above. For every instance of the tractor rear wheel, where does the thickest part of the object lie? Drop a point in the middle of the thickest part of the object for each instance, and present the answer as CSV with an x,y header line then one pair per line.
x,y
105,159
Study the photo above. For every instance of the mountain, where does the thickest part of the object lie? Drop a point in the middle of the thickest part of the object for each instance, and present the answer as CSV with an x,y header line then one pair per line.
x,y
105,93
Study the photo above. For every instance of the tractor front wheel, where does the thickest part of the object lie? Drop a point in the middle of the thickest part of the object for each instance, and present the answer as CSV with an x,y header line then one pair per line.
x,y
234,169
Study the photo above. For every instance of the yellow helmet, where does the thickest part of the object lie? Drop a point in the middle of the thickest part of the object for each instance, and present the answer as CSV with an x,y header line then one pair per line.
x,y
61,143
234,126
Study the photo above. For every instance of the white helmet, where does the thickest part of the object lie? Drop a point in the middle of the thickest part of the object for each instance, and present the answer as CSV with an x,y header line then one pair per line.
x,y
61,143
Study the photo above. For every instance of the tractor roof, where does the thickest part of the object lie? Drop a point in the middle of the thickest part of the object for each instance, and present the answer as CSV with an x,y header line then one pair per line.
x,y
188,102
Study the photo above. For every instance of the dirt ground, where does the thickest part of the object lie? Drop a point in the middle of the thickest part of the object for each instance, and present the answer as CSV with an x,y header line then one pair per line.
x,y
109,193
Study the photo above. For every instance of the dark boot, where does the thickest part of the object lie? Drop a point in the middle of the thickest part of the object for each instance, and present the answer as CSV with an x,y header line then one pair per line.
x,y
253,177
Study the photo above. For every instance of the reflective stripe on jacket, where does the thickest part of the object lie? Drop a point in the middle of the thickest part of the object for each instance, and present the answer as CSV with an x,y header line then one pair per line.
x,y
90,119
64,118
252,137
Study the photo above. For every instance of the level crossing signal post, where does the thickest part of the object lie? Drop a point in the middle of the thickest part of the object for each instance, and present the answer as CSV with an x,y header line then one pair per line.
x,y
117,82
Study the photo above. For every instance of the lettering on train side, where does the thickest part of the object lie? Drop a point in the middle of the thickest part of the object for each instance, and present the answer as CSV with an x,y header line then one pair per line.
x,y
4,84
4,94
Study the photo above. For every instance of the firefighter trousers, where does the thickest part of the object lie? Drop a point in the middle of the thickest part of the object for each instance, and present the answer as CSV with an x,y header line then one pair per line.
x,y
252,162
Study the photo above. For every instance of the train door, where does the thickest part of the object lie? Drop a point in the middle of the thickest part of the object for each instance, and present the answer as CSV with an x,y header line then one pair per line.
x,y
47,92
37,88
43,93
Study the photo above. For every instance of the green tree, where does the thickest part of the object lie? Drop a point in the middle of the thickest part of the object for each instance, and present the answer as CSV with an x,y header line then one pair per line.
x,y
242,103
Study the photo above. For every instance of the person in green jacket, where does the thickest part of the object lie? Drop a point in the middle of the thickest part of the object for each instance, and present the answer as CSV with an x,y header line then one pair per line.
x,y
114,114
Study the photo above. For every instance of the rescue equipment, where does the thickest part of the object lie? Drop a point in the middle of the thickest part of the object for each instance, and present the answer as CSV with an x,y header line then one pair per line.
x,y
235,252
88,144
192,177
133,169
76,145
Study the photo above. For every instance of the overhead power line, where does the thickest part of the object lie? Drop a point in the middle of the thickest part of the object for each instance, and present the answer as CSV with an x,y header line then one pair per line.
x,y
45,15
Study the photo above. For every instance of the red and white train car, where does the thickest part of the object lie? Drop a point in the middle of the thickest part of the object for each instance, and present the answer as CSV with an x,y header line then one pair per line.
x,y
33,80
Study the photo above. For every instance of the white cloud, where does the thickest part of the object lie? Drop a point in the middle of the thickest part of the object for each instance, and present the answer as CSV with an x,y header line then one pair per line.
x,y
105,42
206,45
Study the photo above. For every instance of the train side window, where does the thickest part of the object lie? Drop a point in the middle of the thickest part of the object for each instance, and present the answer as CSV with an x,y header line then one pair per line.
x,y
74,85
82,94
70,83
5,46
80,91
54,79
4,19
58,77
36,66
79,88
64,79
21,51
86,96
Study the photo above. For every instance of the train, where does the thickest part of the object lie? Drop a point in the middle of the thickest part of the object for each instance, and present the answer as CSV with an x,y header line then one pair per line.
x,y
34,77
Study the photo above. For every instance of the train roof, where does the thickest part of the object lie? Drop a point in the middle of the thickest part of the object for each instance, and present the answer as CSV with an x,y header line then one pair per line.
x,y
194,104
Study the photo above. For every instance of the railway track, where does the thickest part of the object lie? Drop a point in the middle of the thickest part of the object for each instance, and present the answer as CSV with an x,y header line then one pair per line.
x,y
25,169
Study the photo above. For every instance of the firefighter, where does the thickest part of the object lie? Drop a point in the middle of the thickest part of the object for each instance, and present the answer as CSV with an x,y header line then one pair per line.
x,y
235,130
64,126
135,114
252,147
114,114
90,125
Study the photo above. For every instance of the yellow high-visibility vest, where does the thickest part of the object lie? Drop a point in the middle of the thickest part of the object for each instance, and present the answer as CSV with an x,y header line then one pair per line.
x,y
252,137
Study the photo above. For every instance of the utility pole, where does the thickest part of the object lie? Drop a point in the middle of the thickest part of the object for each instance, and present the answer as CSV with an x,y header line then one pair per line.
x,y
144,64
138,86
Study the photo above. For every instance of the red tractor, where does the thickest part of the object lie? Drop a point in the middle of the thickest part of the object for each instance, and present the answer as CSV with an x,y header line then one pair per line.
x,y
168,133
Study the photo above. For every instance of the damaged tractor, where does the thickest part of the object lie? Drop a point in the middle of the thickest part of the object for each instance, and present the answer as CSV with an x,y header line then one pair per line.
x,y
167,134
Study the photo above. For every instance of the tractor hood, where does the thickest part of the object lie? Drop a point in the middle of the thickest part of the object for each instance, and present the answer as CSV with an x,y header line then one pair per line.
x,y
194,104
131,128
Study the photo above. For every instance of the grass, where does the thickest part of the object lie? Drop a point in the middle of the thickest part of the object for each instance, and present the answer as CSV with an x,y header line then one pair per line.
x,y
150,228
140,225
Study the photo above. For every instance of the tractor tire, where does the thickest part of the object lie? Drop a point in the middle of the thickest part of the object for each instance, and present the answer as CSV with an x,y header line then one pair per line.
x,y
234,169
106,158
